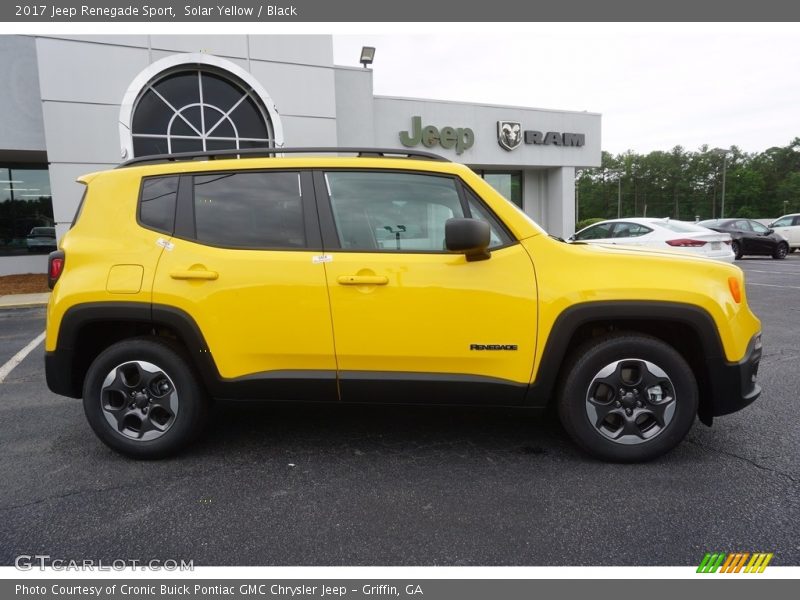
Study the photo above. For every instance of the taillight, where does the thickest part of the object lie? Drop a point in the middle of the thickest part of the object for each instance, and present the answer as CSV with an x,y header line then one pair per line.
x,y
728,242
55,266
686,243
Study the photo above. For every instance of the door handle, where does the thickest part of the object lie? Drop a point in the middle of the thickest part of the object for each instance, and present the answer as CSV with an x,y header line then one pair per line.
x,y
195,275
363,280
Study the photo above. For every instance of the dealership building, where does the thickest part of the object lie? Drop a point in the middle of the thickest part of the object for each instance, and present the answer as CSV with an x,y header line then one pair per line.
x,y
76,104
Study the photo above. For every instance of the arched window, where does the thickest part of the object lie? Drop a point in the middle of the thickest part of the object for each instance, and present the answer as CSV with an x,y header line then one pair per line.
x,y
191,107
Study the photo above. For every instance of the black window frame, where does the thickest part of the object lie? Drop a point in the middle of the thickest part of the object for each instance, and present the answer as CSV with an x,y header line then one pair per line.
x,y
330,234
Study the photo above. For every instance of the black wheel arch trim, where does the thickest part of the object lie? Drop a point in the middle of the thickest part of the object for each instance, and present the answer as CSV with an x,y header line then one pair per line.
x,y
725,386
729,386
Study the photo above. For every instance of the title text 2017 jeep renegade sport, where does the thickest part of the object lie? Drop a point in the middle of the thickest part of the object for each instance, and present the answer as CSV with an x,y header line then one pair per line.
x,y
376,278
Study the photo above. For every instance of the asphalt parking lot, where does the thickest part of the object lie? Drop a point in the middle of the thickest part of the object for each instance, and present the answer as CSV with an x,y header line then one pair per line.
x,y
309,485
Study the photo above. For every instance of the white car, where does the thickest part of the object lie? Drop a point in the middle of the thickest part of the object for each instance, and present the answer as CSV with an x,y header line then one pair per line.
x,y
789,227
665,234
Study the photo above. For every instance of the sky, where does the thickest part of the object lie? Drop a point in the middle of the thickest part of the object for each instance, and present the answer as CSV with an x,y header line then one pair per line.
x,y
656,85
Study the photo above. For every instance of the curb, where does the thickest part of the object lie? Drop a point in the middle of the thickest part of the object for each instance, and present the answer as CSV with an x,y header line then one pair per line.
x,y
24,300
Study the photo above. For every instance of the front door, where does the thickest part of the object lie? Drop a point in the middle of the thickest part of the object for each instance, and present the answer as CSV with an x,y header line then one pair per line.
x,y
413,322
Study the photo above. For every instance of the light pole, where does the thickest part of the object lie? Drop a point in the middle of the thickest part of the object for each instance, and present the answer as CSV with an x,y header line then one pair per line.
x,y
619,173
724,168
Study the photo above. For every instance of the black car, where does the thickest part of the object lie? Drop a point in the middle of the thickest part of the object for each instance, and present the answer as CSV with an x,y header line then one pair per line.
x,y
750,237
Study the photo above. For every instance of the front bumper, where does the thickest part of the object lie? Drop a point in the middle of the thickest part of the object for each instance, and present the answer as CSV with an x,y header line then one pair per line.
x,y
734,384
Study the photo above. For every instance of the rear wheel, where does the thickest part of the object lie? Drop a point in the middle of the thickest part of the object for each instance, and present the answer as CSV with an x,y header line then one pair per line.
x,y
142,398
781,251
737,249
628,398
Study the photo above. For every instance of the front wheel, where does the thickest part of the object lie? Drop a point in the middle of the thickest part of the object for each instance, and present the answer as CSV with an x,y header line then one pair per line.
x,y
628,398
781,251
142,398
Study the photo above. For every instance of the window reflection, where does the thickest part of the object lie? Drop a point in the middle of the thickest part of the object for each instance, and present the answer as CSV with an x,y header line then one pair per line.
x,y
26,210
508,183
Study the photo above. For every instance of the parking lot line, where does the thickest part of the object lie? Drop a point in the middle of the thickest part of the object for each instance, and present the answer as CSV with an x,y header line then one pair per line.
x,y
19,357
786,287
778,271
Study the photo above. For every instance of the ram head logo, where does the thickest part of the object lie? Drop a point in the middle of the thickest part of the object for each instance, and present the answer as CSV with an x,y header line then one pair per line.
x,y
509,134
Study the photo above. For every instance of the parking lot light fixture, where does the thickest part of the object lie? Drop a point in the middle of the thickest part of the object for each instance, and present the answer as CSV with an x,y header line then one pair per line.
x,y
367,55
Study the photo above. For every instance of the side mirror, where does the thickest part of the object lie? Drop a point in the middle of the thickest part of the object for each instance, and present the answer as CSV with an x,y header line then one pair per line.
x,y
470,237
571,238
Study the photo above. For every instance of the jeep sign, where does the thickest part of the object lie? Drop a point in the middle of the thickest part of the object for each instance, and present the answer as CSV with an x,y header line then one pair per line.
x,y
460,138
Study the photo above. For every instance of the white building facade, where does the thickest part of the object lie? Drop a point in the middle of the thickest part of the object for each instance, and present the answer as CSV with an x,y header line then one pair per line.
x,y
77,104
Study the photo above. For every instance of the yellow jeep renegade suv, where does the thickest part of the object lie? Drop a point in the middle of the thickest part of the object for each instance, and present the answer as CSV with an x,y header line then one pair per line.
x,y
381,276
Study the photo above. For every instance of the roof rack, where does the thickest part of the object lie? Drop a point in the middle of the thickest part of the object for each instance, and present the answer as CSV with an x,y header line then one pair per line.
x,y
256,152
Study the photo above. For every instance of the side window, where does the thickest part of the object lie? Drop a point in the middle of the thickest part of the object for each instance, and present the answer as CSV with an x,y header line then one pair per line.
x,y
743,225
157,203
630,230
758,227
796,220
249,210
624,230
595,232
382,211
499,237
784,222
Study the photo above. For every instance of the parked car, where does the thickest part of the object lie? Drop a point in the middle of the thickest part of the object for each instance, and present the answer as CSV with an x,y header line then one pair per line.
x,y
788,226
41,239
659,233
386,277
750,237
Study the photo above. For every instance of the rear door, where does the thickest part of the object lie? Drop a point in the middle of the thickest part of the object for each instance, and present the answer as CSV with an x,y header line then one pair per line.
x,y
412,321
243,264
765,241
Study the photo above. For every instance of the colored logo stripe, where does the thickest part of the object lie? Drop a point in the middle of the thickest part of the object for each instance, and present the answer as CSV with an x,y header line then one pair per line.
x,y
711,562
734,562
758,563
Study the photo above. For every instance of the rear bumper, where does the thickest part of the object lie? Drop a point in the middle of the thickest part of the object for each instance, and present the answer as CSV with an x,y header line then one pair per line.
x,y
735,384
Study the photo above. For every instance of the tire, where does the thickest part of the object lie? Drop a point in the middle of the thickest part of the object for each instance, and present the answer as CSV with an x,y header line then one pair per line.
x,y
655,411
781,251
142,398
737,249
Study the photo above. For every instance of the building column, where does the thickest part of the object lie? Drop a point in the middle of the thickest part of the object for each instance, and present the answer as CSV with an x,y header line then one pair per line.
x,y
560,202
